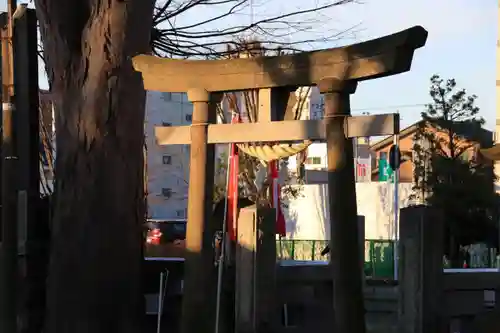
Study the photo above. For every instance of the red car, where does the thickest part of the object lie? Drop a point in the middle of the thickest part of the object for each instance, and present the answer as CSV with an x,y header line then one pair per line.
x,y
164,249
165,239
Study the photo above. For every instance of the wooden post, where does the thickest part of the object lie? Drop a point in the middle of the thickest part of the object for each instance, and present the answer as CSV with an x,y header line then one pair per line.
x,y
421,270
344,235
8,260
27,98
199,301
32,241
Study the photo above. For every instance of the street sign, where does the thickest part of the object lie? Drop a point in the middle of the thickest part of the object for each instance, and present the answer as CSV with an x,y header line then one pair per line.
x,y
384,170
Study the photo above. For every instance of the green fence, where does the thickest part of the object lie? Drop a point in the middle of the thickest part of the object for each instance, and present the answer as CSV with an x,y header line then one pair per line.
x,y
301,249
379,254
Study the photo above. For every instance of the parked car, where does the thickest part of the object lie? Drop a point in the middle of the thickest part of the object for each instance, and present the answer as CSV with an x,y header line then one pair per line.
x,y
165,239
164,254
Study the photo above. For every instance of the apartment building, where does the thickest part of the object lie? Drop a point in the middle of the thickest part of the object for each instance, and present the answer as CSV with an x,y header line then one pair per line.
x,y
167,166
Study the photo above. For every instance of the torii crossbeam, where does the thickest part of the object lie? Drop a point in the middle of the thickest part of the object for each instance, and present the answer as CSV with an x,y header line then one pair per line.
x,y
376,58
336,73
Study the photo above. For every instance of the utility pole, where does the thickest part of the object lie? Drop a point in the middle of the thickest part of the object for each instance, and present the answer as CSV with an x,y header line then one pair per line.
x,y
9,251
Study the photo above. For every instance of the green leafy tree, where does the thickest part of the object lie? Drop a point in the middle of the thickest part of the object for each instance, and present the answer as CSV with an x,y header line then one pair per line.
x,y
447,175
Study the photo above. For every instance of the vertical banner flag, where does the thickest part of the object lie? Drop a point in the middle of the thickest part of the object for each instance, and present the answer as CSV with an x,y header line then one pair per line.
x,y
232,189
275,198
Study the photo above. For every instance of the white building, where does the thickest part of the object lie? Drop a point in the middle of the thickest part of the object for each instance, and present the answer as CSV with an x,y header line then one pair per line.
x,y
167,166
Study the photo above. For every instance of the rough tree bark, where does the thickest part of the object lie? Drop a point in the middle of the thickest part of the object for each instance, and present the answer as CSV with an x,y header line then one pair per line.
x,y
94,280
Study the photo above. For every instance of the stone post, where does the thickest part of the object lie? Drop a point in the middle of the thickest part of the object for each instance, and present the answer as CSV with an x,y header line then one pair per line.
x,y
246,248
255,270
265,292
421,270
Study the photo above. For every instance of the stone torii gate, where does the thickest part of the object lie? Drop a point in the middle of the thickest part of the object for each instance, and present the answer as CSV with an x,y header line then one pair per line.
x,y
336,72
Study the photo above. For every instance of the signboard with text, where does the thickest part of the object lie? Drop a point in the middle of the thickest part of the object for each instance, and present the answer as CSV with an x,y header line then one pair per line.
x,y
316,104
384,170
363,172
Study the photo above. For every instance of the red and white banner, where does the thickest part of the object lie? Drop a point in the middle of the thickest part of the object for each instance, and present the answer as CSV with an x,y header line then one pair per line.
x,y
232,189
275,199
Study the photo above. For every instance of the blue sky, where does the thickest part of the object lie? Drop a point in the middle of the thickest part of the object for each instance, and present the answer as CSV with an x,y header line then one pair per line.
x,y
461,45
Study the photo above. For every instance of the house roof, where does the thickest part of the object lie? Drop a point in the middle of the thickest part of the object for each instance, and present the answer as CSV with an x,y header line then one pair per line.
x,y
402,134
480,135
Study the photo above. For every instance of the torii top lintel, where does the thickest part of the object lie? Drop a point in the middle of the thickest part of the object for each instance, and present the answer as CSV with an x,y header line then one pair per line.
x,y
379,57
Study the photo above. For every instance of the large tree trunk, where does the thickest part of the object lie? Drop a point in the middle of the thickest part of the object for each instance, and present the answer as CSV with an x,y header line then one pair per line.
x,y
94,280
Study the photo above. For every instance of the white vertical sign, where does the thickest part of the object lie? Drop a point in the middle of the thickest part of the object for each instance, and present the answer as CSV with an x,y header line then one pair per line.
x,y
363,169
316,104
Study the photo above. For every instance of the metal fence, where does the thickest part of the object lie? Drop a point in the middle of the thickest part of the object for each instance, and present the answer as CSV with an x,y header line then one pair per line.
x,y
379,255
379,262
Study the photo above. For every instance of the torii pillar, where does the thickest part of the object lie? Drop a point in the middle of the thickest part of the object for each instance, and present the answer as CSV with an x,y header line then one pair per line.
x,y
344,233
199,234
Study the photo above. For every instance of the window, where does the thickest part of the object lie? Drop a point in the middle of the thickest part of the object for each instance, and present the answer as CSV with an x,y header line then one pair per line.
x,y
166,124
166,96
189,117
167,159
180,213
313,160
166,192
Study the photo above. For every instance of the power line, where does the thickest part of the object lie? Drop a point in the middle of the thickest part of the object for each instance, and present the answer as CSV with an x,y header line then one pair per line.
x,y
391,107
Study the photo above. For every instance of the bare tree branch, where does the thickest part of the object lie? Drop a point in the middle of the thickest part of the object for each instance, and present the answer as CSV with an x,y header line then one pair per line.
x,y
202,38
176,34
